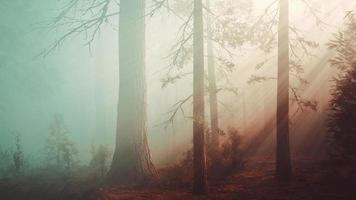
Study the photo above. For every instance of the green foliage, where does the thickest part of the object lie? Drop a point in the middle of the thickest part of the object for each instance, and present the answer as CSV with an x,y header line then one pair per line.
x,y
60,150
342,115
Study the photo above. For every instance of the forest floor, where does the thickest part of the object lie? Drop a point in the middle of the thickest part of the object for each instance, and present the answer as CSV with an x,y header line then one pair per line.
x,y
312,181
257,182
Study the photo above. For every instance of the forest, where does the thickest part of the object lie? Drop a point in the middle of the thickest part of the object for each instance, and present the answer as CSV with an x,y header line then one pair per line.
x,y
177,99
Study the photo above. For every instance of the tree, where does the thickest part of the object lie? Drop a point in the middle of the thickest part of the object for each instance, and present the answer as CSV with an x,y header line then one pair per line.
x,y
291,50
213,100
342,115
5,160
220,37
200,185
59,148
132,159
99,161
18,156
283,160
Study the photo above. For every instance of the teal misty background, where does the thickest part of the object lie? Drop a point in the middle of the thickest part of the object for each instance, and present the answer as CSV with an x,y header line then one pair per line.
x,y
76,81
81,83
34,88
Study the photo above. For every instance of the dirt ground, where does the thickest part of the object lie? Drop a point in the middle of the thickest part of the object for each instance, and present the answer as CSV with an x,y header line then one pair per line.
x,y
312,181
255,183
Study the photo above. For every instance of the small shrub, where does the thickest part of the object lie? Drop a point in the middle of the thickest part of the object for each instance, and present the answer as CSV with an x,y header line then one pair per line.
x,y
61,151
228,157
5,162
179,174
99,162
221,161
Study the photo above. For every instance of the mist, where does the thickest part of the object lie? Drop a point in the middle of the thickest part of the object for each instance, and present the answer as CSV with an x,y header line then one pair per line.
x,y
77,79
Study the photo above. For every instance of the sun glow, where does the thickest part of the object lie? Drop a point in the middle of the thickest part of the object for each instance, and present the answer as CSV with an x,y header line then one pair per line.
x,y
97,91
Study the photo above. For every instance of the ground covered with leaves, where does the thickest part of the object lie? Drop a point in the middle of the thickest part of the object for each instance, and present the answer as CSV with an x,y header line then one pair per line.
x,y
312,181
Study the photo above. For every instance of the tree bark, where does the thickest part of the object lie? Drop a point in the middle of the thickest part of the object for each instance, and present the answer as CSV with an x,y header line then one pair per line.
x,y
213,100
132,161
199,155
283,160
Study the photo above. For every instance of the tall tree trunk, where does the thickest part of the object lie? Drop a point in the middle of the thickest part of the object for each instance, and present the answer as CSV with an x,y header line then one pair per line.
x,y
199,160
213,100
100,115
265,104
244,113
283,161
132,160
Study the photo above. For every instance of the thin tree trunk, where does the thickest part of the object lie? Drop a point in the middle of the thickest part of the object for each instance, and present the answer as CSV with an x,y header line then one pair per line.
x,y
265,97
213,100
199,160
132,160
244,112
283,160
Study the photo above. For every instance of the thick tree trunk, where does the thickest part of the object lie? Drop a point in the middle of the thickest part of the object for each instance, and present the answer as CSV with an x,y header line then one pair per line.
x,y
213,100
283,161
132,160
199,160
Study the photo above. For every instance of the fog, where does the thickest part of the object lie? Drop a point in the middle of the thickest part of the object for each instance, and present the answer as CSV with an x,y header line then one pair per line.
x,y
80,82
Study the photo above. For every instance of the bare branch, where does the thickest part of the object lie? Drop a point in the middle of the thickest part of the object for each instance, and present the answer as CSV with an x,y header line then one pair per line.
x,y
92,15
